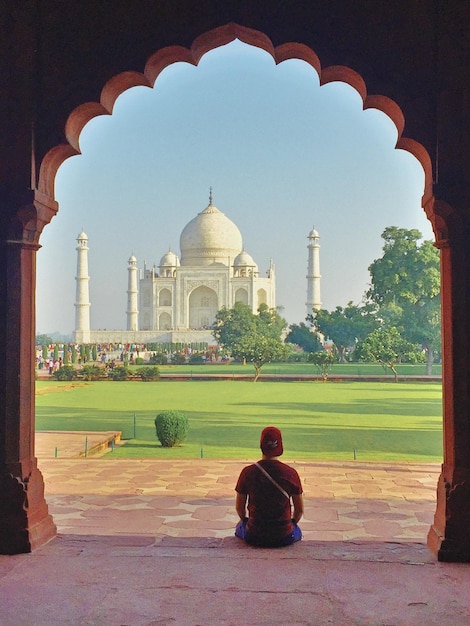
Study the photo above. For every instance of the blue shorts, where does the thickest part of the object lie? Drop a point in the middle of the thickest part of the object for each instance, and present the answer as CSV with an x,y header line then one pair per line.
x,y
241,533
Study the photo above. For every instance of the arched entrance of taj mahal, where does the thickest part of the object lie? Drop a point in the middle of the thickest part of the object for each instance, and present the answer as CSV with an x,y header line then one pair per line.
x,y
437,129
203,304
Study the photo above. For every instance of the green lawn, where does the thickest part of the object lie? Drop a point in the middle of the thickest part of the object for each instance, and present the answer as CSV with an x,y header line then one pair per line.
x,y
353,369
382,421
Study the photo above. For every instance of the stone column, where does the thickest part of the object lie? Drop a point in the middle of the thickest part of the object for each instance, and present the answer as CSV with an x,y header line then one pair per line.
x,y
25,522
449,535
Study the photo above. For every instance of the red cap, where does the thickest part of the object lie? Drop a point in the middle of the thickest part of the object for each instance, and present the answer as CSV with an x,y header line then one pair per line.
x,y
271,441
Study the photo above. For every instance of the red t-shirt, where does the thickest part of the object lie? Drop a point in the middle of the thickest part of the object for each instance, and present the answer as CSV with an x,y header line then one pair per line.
x,y
269,511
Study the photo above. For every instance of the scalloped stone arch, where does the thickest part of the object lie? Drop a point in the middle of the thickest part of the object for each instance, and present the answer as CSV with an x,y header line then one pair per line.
x,y
206,42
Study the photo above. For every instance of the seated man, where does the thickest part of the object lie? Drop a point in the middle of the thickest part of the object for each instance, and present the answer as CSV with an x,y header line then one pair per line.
x,y
266,488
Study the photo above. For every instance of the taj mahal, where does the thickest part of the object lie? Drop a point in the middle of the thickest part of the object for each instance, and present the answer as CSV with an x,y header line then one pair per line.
x,y
177,300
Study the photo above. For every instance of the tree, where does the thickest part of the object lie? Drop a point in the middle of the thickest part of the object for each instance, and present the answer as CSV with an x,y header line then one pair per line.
x,y
250,337
232,324
388,347
44,340
405,285
323,360
270,321
259,349
303,336
344,326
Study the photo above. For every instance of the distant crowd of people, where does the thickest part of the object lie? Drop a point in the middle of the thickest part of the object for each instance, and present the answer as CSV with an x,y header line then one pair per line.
x,y
108,355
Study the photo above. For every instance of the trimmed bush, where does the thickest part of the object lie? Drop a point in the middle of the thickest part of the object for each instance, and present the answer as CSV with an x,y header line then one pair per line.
x,y
91,372
178,359
196,359
139,360
66,372
119,373
148,373
158,359
172,428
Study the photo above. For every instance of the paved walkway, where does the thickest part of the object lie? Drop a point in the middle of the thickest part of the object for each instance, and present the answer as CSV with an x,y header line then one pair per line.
x,y
150,542
195,498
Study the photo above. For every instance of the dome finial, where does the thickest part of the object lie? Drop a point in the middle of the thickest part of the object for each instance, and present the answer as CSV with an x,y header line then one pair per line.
x,y
210,196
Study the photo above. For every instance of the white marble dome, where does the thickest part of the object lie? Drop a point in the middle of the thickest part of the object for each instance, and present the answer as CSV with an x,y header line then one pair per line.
x,y
245,260
211,237
170,259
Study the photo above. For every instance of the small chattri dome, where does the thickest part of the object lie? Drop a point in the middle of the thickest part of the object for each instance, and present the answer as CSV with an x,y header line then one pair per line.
x,y
245,260
314,233
83,235
170,259
132,260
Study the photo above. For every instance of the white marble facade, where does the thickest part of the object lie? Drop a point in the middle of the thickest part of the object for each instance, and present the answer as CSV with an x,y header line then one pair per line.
x,y
214,272
177,300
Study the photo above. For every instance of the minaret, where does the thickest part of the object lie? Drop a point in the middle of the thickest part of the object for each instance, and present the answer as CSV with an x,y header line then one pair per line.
x,y
82,304
132,295
313,272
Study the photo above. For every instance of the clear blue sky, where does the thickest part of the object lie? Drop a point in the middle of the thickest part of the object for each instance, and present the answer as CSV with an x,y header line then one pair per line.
x,y
282,155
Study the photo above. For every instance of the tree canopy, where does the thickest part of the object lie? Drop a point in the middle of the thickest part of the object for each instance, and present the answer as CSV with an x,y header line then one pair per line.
x,y
323,360
387,346
44,340
344,326
231,324
405,285
303,336
251,337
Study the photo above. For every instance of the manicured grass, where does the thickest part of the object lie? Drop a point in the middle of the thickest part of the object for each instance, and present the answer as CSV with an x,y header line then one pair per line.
x,y
382,421
353,369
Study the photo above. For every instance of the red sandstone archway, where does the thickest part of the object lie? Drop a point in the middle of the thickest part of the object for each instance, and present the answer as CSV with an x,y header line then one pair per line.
x,y
436,212
203,44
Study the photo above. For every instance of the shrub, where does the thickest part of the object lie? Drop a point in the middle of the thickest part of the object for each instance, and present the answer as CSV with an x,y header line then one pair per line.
x,y
178,359
158,359
148,373
119,373
91,372
196,359
139,360
172,428
66,372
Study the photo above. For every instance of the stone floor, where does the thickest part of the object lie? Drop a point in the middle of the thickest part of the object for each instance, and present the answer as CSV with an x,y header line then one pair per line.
x,y
195,498
150,542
